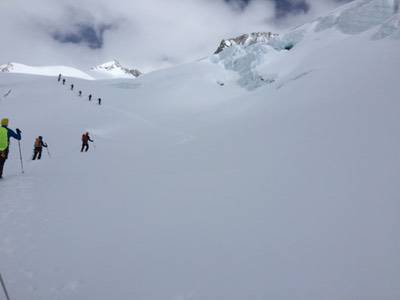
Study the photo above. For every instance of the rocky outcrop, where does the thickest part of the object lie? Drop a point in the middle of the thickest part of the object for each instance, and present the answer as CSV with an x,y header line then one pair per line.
x,y
6,67
246,40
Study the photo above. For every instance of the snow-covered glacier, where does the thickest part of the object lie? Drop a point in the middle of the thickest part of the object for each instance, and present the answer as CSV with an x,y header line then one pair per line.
x,y
379,19
266,172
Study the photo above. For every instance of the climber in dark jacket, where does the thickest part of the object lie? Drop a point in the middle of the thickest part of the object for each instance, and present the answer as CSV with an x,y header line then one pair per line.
x,y
85,142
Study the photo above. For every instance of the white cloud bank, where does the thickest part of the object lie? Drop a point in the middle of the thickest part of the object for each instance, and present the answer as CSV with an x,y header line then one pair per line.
x,y
145,34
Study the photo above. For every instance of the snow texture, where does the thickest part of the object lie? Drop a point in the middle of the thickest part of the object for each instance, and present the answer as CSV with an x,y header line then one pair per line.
x,y
197,188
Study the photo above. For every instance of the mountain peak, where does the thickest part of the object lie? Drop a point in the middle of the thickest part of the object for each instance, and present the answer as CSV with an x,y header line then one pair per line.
x,y
115,69
114,64
246,39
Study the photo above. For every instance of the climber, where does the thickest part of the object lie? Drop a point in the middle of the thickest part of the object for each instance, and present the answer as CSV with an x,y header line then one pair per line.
x,y
85,142
5,135
38,147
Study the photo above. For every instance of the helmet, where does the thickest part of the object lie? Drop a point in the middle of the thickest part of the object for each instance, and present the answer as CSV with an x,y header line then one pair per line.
x,y
40,137
4,122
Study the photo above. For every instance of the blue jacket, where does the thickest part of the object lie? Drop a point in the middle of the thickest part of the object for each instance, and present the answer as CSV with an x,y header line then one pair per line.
x,y
12,134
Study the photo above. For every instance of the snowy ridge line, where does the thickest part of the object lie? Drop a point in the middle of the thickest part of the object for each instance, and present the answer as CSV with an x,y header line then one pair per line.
x,y
44,71
109,70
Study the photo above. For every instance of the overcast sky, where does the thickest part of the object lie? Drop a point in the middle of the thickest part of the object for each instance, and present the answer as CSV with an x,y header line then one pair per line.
x,y
146,34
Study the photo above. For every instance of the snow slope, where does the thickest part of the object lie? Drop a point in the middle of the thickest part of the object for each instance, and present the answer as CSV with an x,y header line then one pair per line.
x,y
44,71
287,190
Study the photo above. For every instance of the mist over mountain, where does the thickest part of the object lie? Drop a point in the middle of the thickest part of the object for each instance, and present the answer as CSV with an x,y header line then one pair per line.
x,y
146,34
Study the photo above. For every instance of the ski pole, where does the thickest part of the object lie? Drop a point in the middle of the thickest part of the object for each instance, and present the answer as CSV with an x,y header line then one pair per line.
x,y
4,287
48,152
94,145
20,157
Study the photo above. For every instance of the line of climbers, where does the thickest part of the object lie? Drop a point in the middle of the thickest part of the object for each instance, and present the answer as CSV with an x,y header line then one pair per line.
x,y
80,92
6,134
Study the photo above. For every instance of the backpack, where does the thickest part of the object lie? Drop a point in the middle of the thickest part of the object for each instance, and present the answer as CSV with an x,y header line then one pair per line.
x,y
3,138
38,143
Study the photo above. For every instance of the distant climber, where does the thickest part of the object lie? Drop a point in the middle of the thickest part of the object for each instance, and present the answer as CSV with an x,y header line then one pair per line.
x,y
38,147
5,135
90,97
59,77
72,87
85,142
99,101
63,81
80,93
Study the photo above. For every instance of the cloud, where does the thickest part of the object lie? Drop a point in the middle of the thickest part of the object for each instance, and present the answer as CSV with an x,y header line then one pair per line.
x,y
290,7
146,34
301,11
84,33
